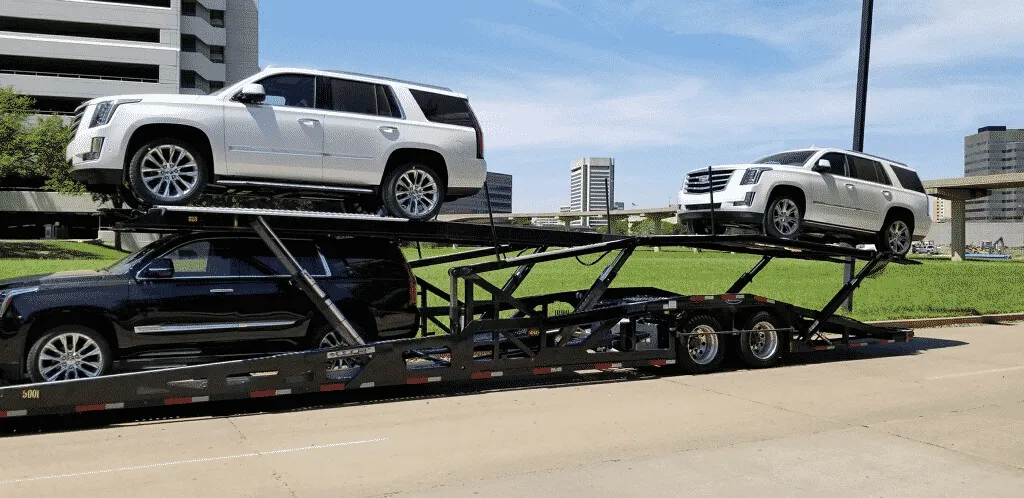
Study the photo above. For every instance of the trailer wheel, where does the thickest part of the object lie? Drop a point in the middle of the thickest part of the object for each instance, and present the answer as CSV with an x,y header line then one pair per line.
x,y
700,346
762,348
68,352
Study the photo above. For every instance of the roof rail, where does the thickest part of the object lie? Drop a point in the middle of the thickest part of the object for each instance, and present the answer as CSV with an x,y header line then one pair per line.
x,y
396,80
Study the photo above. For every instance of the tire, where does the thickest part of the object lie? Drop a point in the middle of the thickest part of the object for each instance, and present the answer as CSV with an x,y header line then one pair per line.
x,y
698,354
168,172
413,191
764,349
93,354
783,218
896,236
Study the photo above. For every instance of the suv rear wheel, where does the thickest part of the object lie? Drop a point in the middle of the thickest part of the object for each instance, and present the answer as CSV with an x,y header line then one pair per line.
x,y
783,219
896,236
167,172
413,191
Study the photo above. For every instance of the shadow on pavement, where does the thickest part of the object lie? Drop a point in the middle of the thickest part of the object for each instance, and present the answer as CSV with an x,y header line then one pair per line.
x,y
397,394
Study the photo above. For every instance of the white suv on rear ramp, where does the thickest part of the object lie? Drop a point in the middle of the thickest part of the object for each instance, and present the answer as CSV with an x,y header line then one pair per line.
x,y
831,195
299,132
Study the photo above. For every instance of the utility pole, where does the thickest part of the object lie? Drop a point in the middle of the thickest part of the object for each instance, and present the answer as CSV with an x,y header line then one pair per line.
x,y
859,114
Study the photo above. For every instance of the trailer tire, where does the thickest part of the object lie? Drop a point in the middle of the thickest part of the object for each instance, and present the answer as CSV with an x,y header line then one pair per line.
x,y
704,352
762,349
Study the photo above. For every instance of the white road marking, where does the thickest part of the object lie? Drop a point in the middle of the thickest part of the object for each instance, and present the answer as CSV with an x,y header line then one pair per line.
x,y
980,372
196,460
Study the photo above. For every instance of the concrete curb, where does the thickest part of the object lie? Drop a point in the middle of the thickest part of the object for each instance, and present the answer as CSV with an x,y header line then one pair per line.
x,y
920,323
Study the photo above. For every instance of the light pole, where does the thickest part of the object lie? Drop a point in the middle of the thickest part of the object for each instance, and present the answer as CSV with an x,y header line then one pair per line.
x,y
867,10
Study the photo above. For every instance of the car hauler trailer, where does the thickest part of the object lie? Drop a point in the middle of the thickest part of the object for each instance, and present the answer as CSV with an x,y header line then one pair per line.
x,y
501,335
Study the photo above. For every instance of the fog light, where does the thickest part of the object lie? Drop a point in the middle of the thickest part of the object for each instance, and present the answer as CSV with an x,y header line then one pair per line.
x,y
94,151
748,200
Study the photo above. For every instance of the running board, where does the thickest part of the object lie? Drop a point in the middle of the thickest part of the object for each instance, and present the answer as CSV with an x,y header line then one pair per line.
x,y
296,186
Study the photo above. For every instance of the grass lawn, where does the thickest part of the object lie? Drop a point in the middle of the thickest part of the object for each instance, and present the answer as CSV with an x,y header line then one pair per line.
x,y
936,288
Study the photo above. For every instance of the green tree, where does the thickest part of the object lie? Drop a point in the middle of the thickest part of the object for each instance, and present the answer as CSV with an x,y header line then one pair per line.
x,y
46,142
14,110
620,226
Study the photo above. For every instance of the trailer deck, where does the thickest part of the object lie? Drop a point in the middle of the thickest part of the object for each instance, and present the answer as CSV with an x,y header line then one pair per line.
x,y
474,338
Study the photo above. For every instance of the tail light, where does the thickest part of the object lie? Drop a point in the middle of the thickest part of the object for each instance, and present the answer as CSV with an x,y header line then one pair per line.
x,y
413,291
479,134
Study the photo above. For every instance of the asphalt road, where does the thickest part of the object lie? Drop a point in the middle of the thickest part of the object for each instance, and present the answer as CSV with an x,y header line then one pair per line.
x,y
941,416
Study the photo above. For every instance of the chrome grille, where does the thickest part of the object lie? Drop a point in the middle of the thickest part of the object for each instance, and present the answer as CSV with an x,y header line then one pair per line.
x,y
77,120
699,182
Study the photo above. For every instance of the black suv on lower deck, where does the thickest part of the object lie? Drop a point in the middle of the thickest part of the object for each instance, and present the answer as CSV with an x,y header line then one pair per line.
x,y
195,298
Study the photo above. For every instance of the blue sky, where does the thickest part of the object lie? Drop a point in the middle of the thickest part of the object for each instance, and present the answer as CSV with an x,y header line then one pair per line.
x,y
666,86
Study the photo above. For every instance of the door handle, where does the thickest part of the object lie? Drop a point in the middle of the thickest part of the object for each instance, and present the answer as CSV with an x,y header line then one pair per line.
x,y
389,129
309,121
887,193
221,291
849,186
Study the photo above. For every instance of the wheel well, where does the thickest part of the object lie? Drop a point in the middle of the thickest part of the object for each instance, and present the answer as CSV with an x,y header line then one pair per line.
x,y
190,134
428,157
901,212
795,192
92,319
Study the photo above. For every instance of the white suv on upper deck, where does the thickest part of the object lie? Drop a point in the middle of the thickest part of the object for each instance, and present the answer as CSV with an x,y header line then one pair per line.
x,y
831,194
406,146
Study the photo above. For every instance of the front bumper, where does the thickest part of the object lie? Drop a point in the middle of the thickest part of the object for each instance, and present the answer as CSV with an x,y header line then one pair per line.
x,y
108,167
732,206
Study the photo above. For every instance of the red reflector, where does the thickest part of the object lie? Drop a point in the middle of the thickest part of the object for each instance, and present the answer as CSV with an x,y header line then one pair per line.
x,y
760,299
90,408
417,380
332,387
602,366
659,363
3,414
177,401
263,394
481,375
541,371
696,298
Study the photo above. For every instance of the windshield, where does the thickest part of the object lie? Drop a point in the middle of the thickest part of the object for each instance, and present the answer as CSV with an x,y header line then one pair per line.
x,y
126,263
796,158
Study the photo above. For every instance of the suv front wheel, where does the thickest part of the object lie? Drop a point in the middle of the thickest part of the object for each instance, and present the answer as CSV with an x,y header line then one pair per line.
x,y
413,191
783,218
167,172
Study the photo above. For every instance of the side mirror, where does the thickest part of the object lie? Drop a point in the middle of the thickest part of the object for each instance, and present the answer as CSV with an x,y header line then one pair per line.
x,y
252,93
159,268
823,166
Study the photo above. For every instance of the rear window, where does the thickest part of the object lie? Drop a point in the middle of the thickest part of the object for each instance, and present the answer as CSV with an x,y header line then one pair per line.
x,y
444,108
908,179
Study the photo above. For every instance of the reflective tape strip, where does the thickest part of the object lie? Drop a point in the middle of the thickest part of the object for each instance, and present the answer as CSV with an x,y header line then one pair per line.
x,y
546,370
696,299
486,375
422,380
99,407
269,392
186,400
764,300
661,363
732,297
606,366
823,348
367,384
671,305
13,413
858,344
332,387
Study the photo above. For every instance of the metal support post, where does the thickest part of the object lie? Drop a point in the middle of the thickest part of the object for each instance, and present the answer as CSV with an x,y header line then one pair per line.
x,y
845,292
864,64
748,277
304,281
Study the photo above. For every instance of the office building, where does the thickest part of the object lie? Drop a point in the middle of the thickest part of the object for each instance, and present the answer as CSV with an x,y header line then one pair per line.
x,y
63,52
995,150
941,209
499,185
591,188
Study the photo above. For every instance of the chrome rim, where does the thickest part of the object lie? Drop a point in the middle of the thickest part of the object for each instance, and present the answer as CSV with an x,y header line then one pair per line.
x,y
764,341
70,356
169,172
703,344
785,216
416,192
899,237
330,340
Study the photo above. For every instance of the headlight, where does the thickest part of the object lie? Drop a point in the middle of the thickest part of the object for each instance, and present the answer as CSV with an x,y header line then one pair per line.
x,y
752,175
7,296
105,110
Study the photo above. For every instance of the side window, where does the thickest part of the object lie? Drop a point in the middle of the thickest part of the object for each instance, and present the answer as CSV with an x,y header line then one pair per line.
x,y
444,108
292,90
252,258
883,177
198,259
838,162
864,169
358,97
